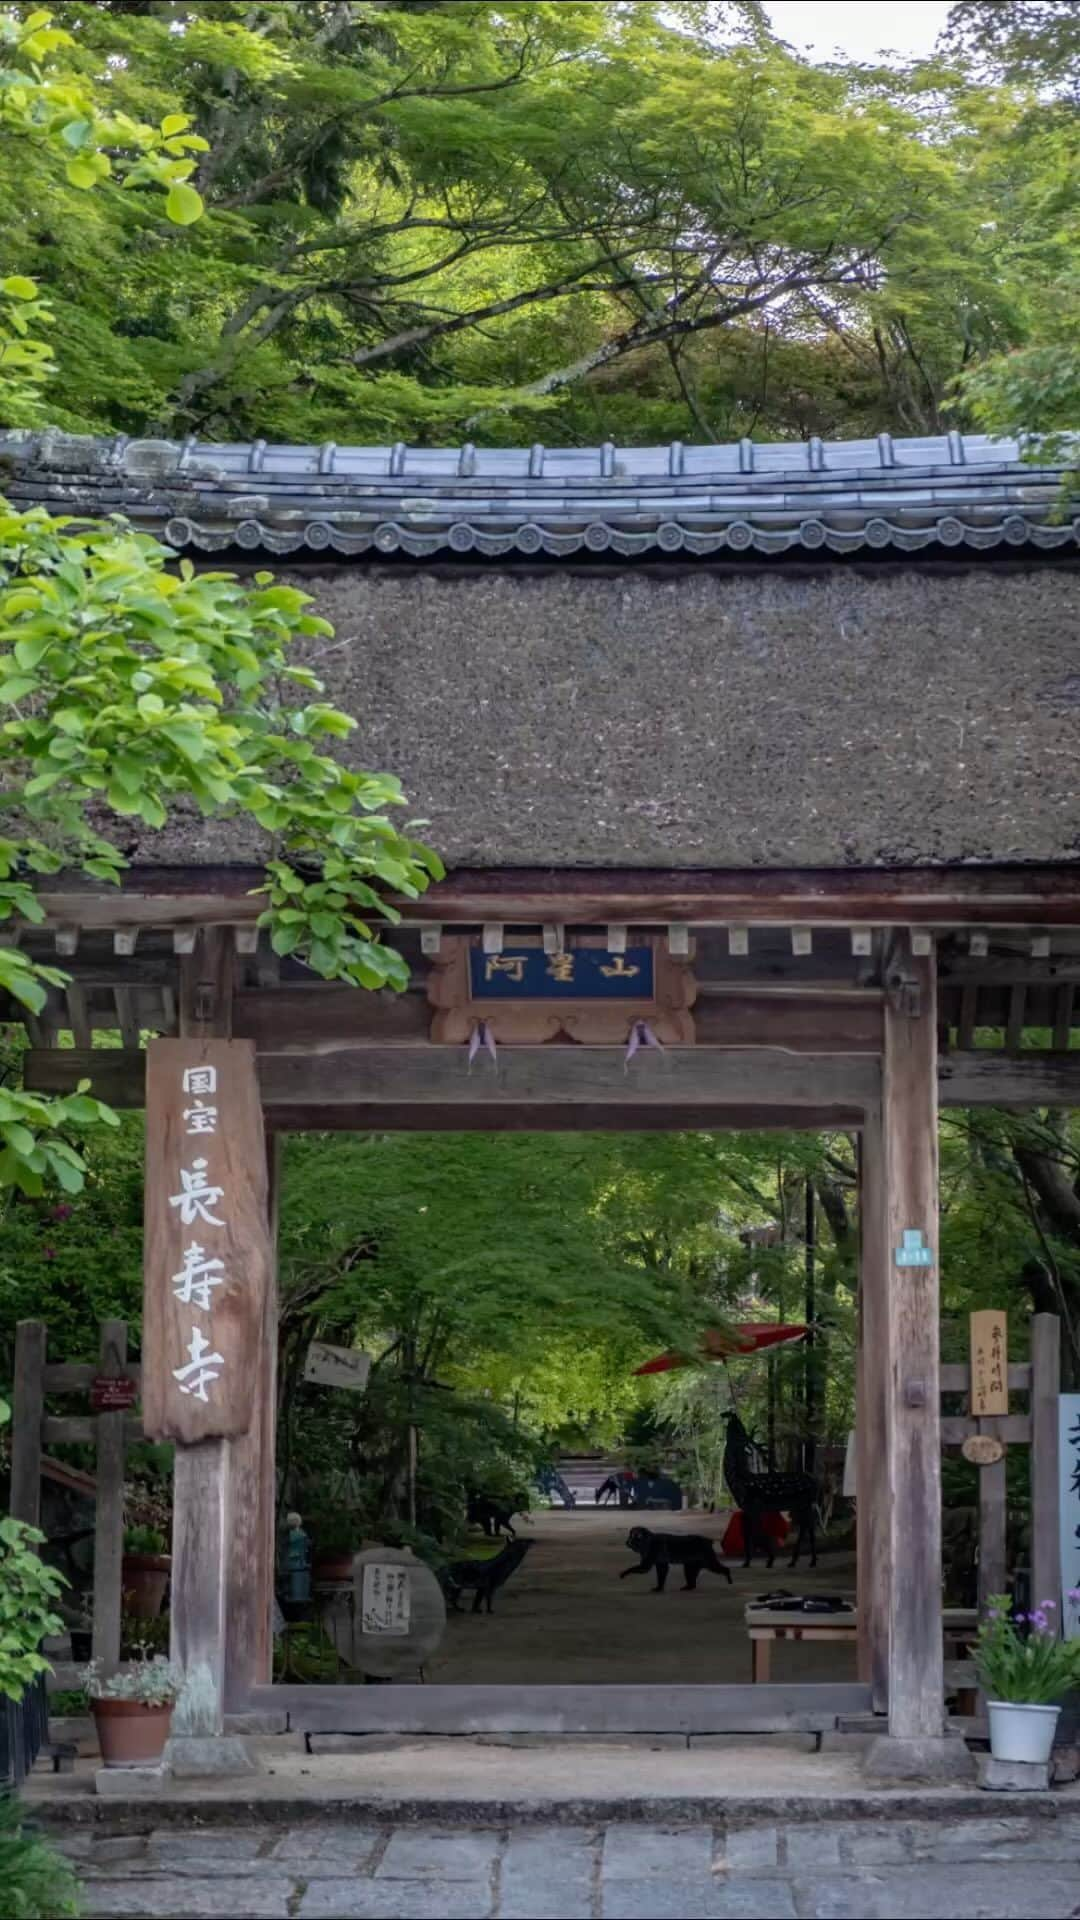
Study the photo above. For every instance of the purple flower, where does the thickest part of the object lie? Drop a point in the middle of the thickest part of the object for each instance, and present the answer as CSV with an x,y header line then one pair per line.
x,y
1047,1606
62,1212
1073,1595
48,1253
1039,1620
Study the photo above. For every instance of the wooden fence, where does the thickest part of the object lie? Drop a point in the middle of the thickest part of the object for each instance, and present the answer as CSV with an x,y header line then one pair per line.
x,y
33,1430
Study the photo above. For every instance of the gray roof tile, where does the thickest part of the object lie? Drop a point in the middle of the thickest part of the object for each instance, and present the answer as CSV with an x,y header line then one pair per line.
x,y
944,490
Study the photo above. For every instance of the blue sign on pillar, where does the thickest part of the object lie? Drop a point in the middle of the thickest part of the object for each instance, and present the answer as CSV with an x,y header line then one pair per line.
x,y
914,1252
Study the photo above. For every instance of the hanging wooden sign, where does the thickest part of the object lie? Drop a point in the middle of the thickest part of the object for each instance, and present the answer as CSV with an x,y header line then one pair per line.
x,y
207,1240
337,1366
584,992
989,1363
983,1449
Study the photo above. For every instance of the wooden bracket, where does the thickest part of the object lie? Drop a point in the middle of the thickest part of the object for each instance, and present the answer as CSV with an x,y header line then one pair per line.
x,y
902,989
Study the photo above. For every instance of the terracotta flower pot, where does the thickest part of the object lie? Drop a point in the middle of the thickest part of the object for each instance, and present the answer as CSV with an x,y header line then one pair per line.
x,y
130,1734
144,1578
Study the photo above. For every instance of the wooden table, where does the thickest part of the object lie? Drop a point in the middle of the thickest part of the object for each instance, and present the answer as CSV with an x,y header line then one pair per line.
x,y
766,1624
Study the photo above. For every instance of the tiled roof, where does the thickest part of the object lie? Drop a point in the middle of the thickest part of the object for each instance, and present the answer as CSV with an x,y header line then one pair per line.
x,y
944,491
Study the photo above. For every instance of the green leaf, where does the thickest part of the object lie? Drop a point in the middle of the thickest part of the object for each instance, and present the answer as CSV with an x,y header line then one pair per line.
x,y
82,173
18,287
17,688
175,123
76,133
183,205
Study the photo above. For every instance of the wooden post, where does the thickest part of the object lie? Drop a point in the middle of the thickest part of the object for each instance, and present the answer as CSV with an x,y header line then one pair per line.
x,y
249,1645
30,1338
913,1410
109,1507
871,1384
200,1472
1045,1512
992,1531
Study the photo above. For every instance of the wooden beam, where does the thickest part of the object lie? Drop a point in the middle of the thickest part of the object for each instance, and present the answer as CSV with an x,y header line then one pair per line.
x,y
30,1349
1043,1465
554,1075
983,1078
1013,1428
871,1433
999,895
560,1710
910,1310
956,1376
395,1117
1014,1031
109,1505
249,1646
319,1018
126,1017
78,1017
295,1081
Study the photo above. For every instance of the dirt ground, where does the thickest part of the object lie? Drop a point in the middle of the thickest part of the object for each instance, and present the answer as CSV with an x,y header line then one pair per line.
x,y
565,1616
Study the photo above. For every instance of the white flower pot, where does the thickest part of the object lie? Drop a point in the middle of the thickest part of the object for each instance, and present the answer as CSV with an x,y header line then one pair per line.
x,y
1021,1732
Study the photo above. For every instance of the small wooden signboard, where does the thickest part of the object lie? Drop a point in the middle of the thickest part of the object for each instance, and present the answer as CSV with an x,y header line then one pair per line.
x,y
983,1449
989,1363
112,1395
337,1366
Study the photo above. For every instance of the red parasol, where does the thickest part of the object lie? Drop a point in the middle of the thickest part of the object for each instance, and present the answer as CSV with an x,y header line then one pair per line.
x,y
751,1337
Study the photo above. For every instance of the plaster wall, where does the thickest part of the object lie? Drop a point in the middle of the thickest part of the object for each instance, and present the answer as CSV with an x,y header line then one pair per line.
x,y
821,718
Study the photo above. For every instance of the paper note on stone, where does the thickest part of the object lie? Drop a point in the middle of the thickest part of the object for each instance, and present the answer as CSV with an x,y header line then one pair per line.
x,y
385,1600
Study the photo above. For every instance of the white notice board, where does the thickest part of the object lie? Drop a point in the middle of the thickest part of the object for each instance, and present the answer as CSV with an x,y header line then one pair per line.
x,y
385,1601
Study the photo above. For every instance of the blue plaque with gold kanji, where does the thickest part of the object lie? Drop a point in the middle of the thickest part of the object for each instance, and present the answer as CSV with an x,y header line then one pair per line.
x,y
579,973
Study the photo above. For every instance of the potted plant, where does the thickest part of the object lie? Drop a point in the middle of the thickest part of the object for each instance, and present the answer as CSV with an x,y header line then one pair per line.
x,y
144,1571
132,1710
1024,1678
335,1537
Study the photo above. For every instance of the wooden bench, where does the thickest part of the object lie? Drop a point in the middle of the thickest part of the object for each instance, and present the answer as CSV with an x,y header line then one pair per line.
x,y
766,1624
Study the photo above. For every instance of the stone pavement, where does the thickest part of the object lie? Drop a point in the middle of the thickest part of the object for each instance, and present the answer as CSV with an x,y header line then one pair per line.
x,y
973,1868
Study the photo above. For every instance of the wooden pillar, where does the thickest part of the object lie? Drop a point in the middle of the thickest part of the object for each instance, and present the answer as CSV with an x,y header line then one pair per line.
x,y
30,1339
871,1457
911,1338
1045,1496
249,1644
109,1506
201,1516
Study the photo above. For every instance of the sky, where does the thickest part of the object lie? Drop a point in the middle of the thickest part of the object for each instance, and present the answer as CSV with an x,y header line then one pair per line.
x,y
858,29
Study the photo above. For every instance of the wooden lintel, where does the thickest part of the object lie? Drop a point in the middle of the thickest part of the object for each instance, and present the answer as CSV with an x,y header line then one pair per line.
x,y
397,1117
535,1077
976,1079
1043,896
321,1017
543,1075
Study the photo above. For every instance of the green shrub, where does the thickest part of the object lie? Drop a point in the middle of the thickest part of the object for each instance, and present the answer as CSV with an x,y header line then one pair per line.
x,y
36,1883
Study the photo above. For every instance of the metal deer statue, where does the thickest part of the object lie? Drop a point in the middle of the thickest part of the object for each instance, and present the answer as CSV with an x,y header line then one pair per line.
x,y
757,1493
